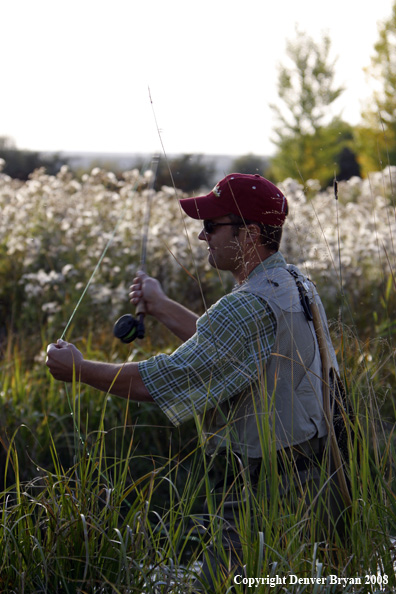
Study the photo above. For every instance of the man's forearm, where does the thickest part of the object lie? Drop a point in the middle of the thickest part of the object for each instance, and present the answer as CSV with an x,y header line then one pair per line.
x,y
177,318
120,380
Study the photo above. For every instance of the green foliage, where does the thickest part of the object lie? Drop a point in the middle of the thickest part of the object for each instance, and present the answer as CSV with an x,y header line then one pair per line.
x,y
377,135
319,156
84,525
88,508
306,88
309,145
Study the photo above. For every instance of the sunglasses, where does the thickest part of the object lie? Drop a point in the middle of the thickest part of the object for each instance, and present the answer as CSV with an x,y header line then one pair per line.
x,y
209,226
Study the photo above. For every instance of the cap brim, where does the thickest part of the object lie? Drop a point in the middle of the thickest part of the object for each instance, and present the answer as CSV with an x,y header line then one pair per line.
x,y
202,207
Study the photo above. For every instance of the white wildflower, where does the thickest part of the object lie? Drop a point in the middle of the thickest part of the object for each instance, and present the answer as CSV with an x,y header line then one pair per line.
x,y
51,308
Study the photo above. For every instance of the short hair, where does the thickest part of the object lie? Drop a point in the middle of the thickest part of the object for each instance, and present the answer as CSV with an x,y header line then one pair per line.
x,y
270,235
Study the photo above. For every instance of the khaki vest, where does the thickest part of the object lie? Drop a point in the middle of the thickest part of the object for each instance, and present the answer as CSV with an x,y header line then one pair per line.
x,y
285,402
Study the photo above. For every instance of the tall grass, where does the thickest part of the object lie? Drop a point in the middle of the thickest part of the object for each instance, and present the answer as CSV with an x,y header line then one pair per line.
x,y
101,496
98,515
86,525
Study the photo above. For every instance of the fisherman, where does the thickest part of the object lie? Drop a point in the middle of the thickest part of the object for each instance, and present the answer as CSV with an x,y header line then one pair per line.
x,y
250,364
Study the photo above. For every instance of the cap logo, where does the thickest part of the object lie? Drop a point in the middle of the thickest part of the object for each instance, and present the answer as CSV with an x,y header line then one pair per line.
x,y
216,191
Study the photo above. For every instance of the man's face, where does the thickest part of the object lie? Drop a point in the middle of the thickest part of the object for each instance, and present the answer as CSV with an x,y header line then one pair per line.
x,y
225,252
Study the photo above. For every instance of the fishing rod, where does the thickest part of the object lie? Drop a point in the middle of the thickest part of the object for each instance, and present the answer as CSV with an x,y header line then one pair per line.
x,y
127,328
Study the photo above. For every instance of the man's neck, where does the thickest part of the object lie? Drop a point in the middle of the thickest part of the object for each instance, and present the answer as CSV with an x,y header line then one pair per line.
x,y
259,255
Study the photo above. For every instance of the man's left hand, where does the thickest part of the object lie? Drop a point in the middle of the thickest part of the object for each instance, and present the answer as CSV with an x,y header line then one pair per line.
x,y
62,358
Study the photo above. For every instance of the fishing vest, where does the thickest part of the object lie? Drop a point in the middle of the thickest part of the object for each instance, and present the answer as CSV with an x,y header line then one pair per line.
x,y
285,400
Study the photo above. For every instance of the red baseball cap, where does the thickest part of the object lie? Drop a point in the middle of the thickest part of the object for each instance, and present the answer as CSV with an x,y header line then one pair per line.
x,y
251,197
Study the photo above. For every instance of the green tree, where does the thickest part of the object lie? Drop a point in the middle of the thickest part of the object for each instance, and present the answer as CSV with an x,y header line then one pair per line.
x,y
309,143
377,135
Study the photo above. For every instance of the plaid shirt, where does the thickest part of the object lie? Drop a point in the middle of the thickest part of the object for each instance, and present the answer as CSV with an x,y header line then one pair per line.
x,y
222,359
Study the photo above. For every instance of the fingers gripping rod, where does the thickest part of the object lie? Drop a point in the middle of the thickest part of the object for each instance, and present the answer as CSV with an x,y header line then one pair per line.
x,y
127,328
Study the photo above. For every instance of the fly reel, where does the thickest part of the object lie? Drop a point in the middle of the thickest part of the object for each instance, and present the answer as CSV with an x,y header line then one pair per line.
x,y
127,328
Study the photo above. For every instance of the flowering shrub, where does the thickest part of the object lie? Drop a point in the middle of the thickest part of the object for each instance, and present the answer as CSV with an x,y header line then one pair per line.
x,y
346,245
55,229
91,472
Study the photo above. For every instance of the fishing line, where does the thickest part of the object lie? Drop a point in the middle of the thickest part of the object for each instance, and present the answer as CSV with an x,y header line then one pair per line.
x,y
109,242
160,138
91,278
107,246
196,276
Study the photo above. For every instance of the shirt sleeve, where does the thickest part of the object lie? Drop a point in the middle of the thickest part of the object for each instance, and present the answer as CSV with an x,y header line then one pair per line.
x,y
226,354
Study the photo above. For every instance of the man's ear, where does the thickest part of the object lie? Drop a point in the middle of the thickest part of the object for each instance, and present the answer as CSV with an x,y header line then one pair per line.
x,y
253,233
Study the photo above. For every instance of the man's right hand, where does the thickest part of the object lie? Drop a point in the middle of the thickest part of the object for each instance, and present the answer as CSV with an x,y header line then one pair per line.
x,y
149,290
178,319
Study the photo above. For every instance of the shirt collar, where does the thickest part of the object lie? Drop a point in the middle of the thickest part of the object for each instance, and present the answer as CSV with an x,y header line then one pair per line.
x,y
274,261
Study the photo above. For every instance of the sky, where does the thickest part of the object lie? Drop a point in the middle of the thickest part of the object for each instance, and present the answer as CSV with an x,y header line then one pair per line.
x,y
142,76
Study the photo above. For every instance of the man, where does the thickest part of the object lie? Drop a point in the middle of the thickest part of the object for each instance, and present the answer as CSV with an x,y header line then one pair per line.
x,y
250,366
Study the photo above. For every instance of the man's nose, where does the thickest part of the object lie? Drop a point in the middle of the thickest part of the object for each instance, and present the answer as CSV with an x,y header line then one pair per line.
x,y
203,235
